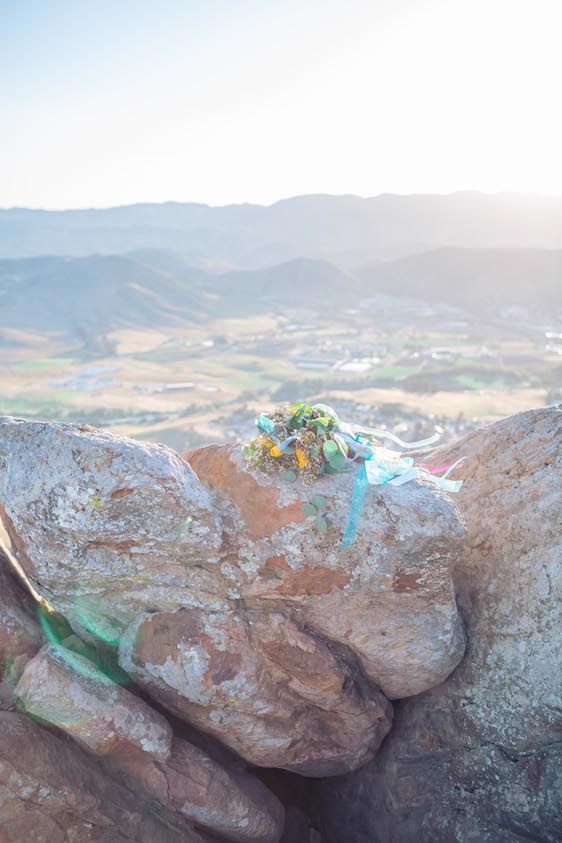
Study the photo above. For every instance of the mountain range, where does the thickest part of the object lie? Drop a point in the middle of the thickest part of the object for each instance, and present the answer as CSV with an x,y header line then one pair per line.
x,y
345,230
68,272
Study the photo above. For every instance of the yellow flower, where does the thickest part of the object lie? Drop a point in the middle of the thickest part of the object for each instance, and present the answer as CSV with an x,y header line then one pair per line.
x,y
276,451
302,458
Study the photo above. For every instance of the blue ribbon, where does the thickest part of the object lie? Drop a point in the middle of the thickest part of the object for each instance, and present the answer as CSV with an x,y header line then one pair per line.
x,y
356,507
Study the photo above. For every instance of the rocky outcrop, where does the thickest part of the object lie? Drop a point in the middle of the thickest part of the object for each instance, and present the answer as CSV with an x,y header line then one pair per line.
x,y
96,520
229,602
53,792
388,599
64,689
219,797
230,598
480,756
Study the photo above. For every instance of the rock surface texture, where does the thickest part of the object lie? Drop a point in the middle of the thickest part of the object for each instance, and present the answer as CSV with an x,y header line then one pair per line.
x,y
479,758
229,603
228,600
53,792
20,634
388,598
218,797
97,520
64,689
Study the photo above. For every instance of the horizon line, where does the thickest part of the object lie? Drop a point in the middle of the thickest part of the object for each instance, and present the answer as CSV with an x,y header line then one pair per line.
x,y
161,203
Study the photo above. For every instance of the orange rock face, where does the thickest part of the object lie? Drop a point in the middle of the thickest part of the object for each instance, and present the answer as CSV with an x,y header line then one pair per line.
x,y
53,792
64,689
257,505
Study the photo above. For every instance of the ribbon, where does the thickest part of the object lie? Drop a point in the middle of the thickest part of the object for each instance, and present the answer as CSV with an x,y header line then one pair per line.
x,y
356,506
265,423
355,430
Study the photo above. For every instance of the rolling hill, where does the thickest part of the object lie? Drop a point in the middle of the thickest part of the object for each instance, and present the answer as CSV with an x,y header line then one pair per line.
x,y
479,280
306,283
85,296
96,293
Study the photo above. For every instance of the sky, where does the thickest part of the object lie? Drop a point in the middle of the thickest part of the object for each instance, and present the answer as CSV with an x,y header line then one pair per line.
x,y
226,101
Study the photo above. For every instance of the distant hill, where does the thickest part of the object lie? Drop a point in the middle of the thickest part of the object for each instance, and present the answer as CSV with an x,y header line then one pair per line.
x,y
346,230
474,279
87,297
79,296
168,262
312,284
97,293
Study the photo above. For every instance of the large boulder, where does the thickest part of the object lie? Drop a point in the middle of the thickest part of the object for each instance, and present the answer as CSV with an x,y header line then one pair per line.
x,y
231,601
388,598
479,757
100,523
53,792
265,687
65,689
219,797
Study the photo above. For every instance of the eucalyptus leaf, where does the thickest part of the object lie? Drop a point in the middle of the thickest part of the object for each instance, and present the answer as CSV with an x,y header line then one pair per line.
x,y
319,502
321,524
308,509
330,449
288,476
337,461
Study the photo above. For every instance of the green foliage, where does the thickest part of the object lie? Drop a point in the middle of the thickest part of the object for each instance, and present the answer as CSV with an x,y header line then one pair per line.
x,y
334,455
313,509
321,524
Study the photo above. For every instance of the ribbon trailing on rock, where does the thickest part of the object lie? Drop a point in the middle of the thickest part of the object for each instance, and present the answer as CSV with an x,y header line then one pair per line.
x,y
356,507
310,440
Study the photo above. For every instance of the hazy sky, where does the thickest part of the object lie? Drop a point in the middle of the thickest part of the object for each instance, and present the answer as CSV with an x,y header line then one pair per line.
x,y
219,101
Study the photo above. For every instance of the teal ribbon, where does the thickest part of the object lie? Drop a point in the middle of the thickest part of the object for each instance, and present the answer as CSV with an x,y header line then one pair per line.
x,y
356,507
378,472
265,423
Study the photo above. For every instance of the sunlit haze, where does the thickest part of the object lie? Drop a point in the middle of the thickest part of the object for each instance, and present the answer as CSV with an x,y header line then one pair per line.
x,y
250,101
